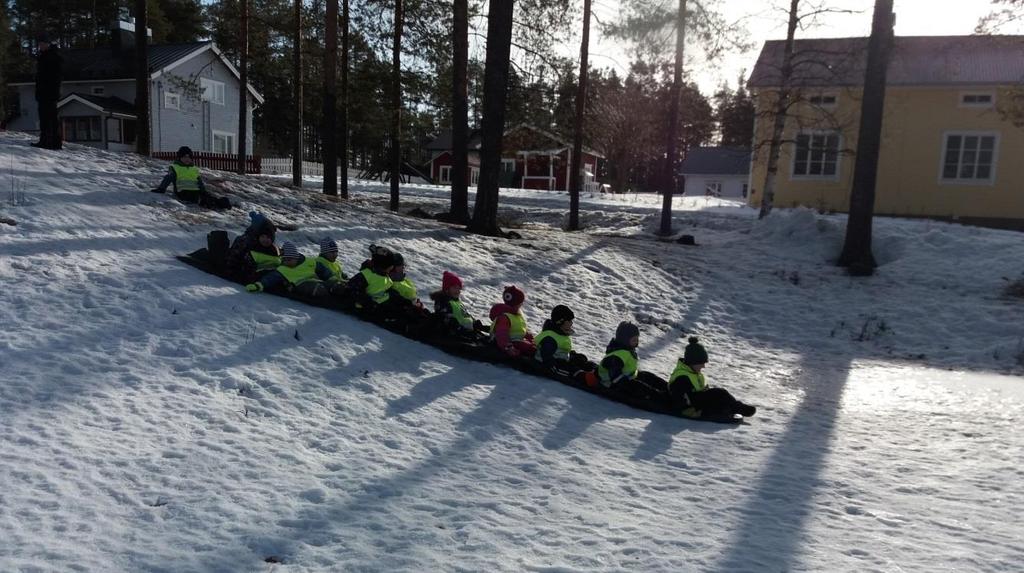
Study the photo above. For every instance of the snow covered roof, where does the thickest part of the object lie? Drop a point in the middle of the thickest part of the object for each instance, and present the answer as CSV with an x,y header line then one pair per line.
x,y
916,61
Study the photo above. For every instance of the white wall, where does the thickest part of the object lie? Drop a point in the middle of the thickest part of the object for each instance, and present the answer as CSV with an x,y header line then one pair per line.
x,y
732,185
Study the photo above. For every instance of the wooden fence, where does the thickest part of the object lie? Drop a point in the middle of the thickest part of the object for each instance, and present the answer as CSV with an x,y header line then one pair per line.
x,y
221,161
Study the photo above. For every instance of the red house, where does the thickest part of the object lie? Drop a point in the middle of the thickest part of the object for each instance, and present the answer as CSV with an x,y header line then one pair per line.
x,y
532,158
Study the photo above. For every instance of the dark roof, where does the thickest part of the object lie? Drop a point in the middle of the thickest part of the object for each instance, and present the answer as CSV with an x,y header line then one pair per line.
x,y
108,63
916,61
716,161
108,103
443,142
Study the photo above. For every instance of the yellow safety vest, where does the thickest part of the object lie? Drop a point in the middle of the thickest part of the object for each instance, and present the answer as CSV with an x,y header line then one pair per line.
x,y
564,344
460,315
695,379
333,266
265,262
405,288
303,272
377,286
630,365
186,177
516,329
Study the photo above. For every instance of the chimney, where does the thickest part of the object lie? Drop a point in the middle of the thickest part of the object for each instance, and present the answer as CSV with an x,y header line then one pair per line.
x,y
122,32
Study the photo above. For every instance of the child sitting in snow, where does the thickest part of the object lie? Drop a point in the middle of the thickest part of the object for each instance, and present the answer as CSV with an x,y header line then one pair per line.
x,y
253,253
328,269
449,309
508,325
693,397
369,290
554,347
403,286
297,274
619,372
188,184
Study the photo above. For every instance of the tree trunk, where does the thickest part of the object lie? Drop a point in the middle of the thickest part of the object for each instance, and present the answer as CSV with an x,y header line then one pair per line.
x,y
576,163
856,253
343,124
142,123
297,96
781,111
329,130
243,93
499,49
396,108
672,153
459,211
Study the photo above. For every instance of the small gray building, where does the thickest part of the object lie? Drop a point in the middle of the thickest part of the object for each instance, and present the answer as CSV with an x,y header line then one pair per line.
x,y
717,172
194,97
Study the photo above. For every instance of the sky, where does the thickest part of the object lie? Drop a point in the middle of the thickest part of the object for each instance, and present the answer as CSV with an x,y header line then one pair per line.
x,y
765,20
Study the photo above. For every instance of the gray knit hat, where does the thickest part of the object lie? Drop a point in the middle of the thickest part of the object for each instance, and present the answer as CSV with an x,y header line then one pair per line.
x,y
328,246
290,251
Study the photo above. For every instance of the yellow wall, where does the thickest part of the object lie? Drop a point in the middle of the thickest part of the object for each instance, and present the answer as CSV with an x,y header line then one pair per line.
x,y
915,122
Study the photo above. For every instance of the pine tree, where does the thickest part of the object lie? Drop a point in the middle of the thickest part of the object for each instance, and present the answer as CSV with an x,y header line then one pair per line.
x,y
329,127
243,80
396,108
459,211
142,129
575,178
297,150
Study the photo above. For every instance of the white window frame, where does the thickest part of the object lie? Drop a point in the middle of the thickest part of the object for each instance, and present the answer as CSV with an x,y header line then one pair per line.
x,y
975,182
231,143
211,89
444,174
474,176
98,91
821,104
505,163
170,97
839,156
713,188
981,105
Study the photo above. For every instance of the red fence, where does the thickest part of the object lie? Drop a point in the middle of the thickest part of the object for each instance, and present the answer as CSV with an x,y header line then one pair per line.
x,y
221,161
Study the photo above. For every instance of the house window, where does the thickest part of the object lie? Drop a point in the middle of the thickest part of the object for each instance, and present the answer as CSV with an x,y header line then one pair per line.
x,y
746,189
817,155
446,174
223,142
128,131
172,101
969,157
823,100
99,90
977,99
82,128
213,91
713,188
474,176
508,165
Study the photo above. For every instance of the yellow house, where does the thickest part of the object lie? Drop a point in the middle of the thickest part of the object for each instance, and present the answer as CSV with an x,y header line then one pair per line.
x,y
950,147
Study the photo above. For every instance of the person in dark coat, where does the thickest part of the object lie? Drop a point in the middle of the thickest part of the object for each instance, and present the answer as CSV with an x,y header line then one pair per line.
x,y
619,373
48,77
253,253
691,394
554,348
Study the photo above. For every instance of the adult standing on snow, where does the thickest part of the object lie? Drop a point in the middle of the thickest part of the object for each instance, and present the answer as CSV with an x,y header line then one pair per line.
x,y
48,78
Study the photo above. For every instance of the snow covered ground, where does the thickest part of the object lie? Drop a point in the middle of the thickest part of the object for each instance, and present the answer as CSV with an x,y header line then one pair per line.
x,y
154,418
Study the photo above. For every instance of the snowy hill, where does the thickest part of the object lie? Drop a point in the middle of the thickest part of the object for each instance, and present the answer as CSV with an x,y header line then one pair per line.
x,y
155,418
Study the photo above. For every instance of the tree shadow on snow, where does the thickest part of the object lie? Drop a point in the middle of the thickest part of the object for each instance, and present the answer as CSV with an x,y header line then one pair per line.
x,y
773,520
429,390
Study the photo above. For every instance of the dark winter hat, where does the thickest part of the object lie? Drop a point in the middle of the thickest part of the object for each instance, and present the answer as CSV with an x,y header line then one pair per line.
x,y
561,313
397,259
513,296
695,353
328,246
626,331
183,151
380,256
449,280
261,225
290,251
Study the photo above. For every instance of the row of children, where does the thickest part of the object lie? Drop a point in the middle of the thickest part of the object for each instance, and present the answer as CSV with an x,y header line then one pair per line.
x,y
382,291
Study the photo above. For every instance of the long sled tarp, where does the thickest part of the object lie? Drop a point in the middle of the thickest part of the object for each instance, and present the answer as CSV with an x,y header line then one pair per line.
x,y
472,350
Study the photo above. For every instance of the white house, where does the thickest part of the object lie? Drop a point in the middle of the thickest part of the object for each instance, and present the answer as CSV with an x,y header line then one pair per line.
x,y
716,171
